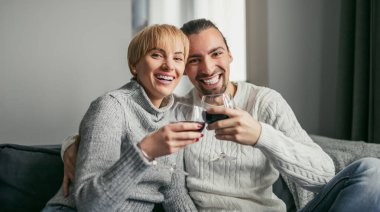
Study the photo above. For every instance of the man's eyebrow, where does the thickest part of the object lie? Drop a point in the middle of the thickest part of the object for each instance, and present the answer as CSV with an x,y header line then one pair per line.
x,y
216,48
195,55
209,52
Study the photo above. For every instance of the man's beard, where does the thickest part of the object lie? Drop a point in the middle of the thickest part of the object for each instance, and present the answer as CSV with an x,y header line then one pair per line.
x,y
215,90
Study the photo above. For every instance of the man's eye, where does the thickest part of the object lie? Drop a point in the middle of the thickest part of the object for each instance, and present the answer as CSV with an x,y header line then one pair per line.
x,y
193,61
217,53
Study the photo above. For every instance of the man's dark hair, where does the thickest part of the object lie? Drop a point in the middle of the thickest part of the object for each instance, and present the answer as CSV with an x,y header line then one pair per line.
x,y
198,25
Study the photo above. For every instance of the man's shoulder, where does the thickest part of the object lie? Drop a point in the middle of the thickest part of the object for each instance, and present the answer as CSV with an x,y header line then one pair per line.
x,y
187,98
260,91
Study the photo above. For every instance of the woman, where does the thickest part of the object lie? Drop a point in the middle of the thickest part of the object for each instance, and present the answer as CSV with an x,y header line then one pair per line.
x,y
121,138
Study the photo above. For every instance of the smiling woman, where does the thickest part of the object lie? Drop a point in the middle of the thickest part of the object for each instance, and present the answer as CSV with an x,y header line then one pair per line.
x,y
157,61
122,134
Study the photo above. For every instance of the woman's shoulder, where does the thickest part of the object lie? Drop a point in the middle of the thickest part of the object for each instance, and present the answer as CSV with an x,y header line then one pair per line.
x,y
120,94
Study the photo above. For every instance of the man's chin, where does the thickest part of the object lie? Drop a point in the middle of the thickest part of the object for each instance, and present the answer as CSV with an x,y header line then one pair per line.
x,y
204,91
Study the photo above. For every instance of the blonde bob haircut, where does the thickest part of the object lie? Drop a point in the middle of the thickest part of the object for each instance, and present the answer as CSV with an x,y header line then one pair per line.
x,y
154,36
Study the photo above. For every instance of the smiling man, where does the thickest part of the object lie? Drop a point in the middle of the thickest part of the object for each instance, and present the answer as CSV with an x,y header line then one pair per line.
x,y
266,139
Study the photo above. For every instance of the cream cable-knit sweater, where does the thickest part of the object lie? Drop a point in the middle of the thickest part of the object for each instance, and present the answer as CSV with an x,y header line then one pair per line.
x,y
111,174
245,184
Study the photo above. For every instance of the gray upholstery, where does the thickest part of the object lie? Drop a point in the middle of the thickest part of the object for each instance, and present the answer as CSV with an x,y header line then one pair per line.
x,y
29,176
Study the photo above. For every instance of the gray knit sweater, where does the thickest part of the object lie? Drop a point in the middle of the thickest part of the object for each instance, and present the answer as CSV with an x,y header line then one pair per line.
x,y
111,173
245,184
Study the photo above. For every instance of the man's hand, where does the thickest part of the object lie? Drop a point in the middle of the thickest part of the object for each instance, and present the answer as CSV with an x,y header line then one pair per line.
x,y
69,159
170,138
240,127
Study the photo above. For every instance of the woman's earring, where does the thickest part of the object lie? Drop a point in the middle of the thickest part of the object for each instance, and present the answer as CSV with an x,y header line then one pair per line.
x,y
134,72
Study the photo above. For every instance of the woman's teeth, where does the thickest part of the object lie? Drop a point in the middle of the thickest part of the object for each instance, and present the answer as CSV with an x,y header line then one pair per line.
x,y
212,80
169,78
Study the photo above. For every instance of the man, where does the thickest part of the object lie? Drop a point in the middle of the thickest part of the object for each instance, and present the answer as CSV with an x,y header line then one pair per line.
x,y
266,139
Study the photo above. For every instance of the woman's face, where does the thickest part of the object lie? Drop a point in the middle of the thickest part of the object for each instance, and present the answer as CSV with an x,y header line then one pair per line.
x,y
160,70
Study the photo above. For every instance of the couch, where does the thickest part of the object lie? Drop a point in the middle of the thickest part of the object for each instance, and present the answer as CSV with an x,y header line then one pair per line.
x,y
31,175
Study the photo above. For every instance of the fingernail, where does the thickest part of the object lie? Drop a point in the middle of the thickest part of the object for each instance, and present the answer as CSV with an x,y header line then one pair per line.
x,y
197,139
202,135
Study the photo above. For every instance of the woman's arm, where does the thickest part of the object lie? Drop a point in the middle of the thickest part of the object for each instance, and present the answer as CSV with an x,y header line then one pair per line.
x,y
105,176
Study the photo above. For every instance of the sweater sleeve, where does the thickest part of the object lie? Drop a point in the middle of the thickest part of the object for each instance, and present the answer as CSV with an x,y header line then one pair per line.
x,y
289,147
68,142
105,176
176,195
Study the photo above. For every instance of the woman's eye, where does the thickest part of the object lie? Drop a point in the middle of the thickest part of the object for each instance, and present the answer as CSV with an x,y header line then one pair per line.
x,y
178,59
156,55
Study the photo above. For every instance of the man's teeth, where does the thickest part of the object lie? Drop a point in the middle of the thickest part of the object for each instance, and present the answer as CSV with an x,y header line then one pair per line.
x,y
213,80
169,78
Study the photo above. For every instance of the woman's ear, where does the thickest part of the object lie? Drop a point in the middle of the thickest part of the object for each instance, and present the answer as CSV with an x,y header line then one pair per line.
x,y
134,71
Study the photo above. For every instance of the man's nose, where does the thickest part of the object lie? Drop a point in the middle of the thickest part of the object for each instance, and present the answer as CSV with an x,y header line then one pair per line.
x,y
207,65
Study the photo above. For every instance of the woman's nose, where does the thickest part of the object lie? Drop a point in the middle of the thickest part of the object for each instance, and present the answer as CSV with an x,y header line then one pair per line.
x,y
168,65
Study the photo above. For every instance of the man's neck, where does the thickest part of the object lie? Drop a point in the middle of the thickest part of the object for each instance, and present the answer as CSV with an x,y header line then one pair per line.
x,y
231,88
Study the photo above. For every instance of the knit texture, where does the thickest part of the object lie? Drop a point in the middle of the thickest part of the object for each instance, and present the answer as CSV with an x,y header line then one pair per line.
x,y
245,184
111,172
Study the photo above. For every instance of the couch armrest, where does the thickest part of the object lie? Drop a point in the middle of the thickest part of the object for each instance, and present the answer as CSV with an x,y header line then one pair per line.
x,y
29,176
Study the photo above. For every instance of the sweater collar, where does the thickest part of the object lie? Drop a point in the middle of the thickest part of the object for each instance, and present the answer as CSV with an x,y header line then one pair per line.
x,y
141,97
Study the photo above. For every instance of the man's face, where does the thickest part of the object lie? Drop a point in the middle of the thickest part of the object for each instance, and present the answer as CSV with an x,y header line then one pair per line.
x,y
208,66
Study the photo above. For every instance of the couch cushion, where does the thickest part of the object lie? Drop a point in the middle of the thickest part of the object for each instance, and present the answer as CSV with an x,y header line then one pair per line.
x,y
29,176
344,152
281,190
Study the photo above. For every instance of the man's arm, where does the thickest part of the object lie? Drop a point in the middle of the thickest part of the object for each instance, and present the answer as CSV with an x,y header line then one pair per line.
x,y
69,154
277,133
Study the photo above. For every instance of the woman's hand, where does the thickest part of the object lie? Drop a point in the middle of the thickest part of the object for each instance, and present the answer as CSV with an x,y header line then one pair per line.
x,y
171,138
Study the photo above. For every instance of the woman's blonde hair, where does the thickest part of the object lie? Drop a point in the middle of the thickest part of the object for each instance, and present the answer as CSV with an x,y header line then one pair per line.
x,y
153,36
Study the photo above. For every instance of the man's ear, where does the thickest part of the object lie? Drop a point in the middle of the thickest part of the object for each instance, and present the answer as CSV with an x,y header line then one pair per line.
x,y
231,58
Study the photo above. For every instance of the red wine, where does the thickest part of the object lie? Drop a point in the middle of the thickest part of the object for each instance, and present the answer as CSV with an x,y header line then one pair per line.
x,y
198,122
211,118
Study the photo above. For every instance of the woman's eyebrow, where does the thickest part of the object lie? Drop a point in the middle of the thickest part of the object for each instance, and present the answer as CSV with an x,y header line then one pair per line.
x,y
159,49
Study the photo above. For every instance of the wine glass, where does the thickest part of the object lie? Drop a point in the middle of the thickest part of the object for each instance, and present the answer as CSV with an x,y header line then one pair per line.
x,y
218,100
182,112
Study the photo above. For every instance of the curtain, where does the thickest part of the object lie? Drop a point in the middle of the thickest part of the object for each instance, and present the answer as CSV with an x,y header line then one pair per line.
x,y
358,79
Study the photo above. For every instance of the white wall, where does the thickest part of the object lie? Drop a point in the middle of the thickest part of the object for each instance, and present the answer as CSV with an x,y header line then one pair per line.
x,y
55,58
290,45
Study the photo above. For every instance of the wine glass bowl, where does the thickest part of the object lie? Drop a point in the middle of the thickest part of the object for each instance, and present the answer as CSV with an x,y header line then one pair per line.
x,y
216,100
182,112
